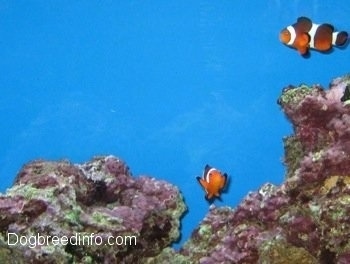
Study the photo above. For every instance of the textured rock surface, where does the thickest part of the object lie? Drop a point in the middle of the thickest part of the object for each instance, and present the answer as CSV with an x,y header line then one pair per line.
x,y
100,197
306,220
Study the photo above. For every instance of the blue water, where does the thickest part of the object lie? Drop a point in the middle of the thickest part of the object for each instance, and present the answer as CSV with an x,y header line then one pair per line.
x,y
166,86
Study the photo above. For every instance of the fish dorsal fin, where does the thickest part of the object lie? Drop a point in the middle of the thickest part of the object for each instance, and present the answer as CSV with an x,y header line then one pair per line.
x,y
207,167
325,30
304,19
303,24
329,26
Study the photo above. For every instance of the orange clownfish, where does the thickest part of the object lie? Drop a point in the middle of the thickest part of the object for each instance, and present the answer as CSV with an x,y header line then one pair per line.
x,y
213,182
304,35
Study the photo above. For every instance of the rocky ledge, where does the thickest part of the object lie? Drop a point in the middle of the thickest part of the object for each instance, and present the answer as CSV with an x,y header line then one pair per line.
x,y
95,212
304,220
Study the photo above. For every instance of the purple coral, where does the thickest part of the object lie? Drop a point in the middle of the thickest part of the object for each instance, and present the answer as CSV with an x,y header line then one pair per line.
x,y
306,219
98,197
343,258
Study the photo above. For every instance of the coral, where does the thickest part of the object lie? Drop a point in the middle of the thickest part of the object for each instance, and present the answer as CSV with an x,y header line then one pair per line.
x,y
99,197
304,220
279,252
307,218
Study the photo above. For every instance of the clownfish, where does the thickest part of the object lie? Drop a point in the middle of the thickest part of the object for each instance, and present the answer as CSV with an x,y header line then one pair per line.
x,y
304,35
213,182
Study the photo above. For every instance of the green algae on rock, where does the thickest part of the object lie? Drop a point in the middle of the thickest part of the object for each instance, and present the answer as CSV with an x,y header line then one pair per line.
x,y
97,199
304,220
307,218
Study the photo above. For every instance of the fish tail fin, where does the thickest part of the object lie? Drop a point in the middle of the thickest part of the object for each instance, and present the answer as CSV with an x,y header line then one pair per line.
x,y
340,38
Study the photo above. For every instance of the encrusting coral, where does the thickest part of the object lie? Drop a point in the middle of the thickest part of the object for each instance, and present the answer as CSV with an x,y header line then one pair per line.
x,y
305,220
99,197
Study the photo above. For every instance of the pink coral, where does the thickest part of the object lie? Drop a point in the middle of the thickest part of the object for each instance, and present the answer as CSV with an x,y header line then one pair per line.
x,y
100,197
308,215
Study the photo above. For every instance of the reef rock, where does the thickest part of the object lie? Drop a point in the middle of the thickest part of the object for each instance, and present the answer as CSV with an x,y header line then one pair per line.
x,y
305,220
95,212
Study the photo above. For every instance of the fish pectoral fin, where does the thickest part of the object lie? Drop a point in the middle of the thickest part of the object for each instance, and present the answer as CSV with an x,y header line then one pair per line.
x,y
303,50
302,43
202,182
209,196
225,181
303,40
